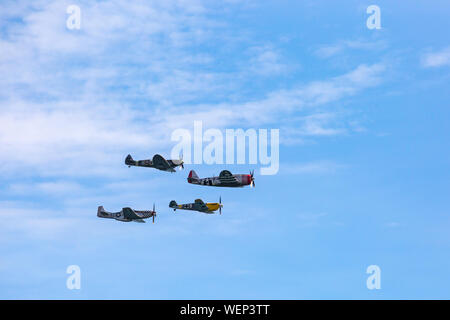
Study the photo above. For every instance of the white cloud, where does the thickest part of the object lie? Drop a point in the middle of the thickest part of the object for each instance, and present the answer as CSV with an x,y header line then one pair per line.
x,y
54,188
34,223
321,124
437,59
279,104
266,61
316,167
328,51
76,102
89,138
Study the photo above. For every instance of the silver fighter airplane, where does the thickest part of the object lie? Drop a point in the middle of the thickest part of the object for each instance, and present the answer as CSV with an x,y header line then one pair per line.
x,y
127,214
225,179
158,162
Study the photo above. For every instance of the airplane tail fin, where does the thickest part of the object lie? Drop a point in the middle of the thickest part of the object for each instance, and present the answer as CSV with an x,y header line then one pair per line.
x,y
100,211
173,204
129,160
192,176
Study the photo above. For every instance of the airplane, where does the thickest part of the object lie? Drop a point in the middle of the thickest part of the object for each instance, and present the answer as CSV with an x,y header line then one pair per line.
x,y
198,205
225,179
127,214
157,162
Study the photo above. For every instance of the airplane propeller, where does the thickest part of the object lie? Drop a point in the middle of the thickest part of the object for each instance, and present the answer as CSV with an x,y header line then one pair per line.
x,y
252,179
182,162
154,213
220,205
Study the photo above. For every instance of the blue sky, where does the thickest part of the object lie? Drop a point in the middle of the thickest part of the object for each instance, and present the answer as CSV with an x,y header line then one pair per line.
x,y
364,149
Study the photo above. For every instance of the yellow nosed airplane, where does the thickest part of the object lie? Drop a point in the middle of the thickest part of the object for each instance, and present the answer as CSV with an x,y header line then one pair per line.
x,y
198,205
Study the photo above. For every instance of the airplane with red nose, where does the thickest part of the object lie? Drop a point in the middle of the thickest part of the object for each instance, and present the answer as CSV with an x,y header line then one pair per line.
x,y
225,179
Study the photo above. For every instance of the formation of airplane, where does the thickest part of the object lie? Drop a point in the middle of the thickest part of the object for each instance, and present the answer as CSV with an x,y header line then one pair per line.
x,y
198,205
225,179
127,214
157,162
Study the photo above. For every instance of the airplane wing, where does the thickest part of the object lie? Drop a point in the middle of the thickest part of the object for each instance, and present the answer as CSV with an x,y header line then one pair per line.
x,y
129,213
199,201
226,177
160,163
201,204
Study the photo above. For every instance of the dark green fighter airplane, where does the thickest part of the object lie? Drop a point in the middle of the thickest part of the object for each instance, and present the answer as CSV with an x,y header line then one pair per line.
x,y
158,162
127,214
198,205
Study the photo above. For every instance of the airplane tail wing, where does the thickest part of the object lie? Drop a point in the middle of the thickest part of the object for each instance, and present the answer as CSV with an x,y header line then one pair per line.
x,y
101,211
129,160
173,204
192,177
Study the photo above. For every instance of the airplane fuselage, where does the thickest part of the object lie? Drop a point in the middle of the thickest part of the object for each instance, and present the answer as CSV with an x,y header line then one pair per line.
x,y
149,164
240,180
122,217
157,162
212,207
114,215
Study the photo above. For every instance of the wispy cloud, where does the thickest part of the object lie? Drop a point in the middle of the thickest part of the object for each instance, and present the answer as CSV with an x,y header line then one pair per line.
x,y
54,188
280,103
437,59
74,103
314,125
315,167
266,61
340,47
